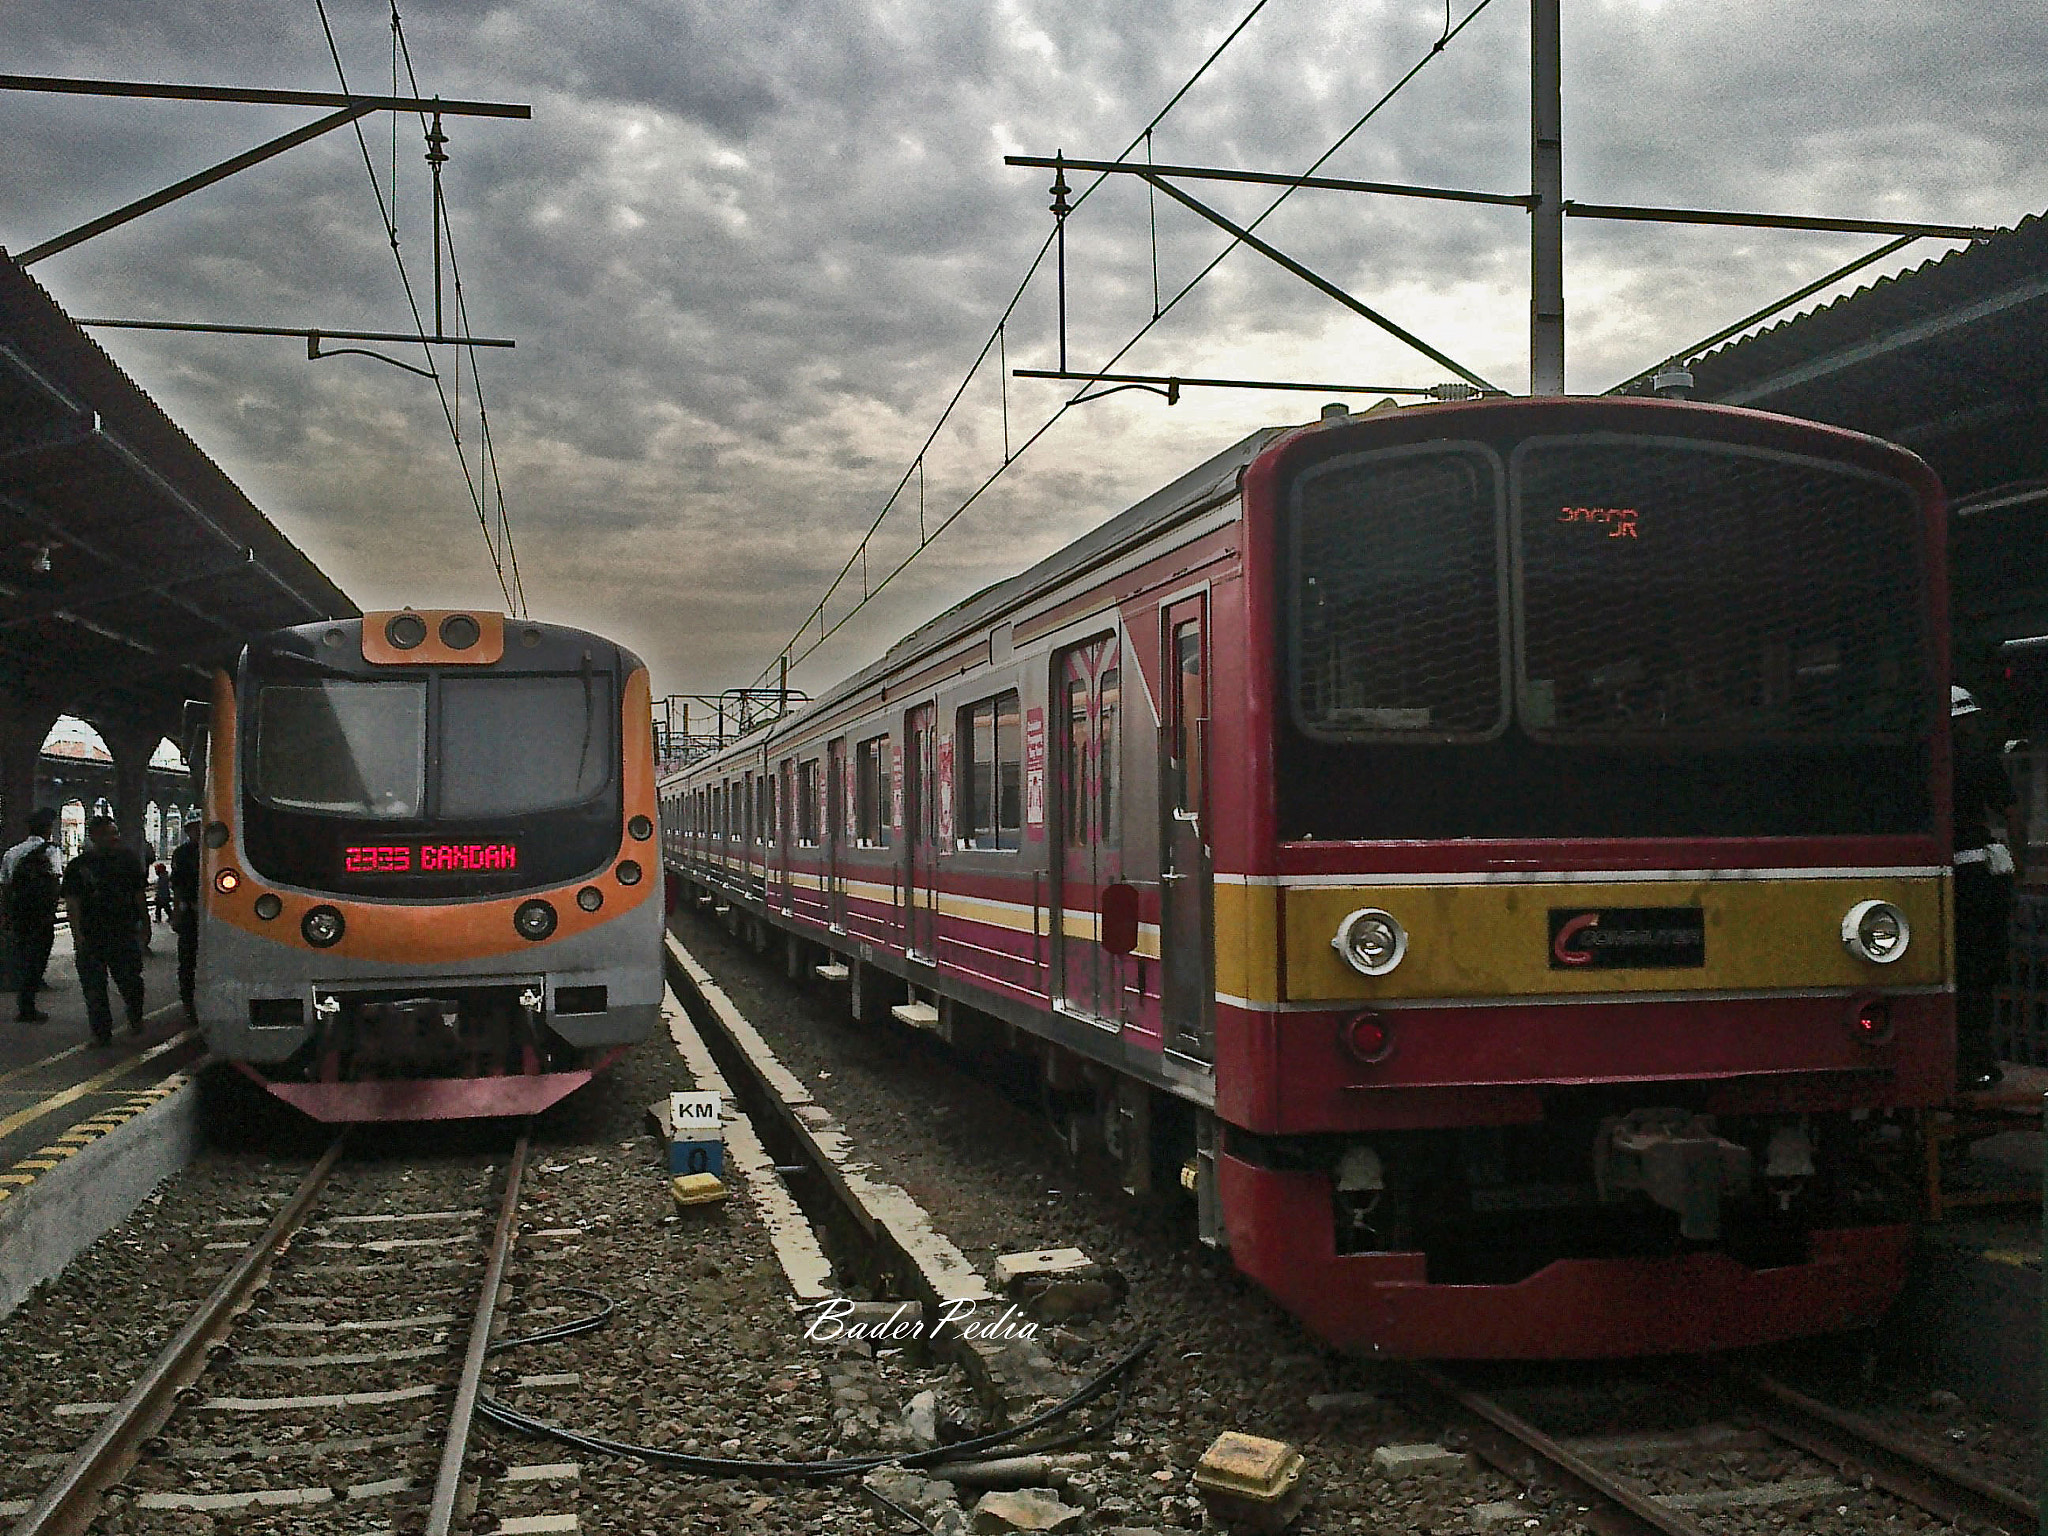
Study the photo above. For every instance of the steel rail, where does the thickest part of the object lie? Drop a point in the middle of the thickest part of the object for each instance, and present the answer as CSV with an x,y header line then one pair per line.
x,y
448,1481
1622,1501
1892,1462
69,1503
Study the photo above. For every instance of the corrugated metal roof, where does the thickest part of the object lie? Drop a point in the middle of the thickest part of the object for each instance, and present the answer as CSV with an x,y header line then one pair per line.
x,y
129,562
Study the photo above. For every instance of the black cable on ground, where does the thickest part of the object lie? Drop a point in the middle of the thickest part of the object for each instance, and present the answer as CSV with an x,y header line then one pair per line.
x,y
1115,1375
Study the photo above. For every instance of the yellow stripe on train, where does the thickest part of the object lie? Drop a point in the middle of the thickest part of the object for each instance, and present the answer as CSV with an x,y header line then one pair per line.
x,y
1488,940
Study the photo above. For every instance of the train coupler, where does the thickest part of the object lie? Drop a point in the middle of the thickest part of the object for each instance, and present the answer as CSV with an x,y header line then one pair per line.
x,y
1675,1158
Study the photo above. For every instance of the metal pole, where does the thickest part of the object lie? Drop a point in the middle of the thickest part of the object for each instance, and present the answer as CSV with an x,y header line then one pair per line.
x,y
1060,209
1546,218
436,157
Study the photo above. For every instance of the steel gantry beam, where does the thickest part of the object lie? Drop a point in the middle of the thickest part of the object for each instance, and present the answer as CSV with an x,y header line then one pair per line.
x,y
348,108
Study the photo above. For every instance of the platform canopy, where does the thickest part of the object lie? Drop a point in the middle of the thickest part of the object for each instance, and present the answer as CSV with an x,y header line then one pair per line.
x,y
130,564
1949,359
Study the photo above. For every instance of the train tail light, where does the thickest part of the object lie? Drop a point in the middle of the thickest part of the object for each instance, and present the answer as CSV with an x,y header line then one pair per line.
x,y
1872,1022
1367,1038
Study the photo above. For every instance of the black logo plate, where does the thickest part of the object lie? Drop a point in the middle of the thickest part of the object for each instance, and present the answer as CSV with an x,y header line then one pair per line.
x,y
1627,938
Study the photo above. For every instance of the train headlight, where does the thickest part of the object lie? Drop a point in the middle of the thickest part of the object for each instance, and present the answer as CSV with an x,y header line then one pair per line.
x,y
1372,942
459,632
322,927
641,828
406,631
1876,931
628,872
534,920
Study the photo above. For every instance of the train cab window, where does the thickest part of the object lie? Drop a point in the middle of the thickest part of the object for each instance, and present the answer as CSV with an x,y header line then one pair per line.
x,y
807,803
1396,610
873,805
511,745
342,748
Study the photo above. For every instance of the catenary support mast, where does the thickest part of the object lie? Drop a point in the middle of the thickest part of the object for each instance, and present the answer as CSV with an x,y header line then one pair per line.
x,y
1546,217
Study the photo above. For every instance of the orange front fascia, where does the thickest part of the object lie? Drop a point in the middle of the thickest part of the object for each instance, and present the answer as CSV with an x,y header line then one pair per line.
x,y
433,651
428,933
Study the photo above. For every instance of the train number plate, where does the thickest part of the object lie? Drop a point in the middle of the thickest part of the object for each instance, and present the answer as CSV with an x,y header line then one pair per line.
x,y
1627,938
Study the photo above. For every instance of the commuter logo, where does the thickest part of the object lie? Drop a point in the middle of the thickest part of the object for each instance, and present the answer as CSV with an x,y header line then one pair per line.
x,y
1627,938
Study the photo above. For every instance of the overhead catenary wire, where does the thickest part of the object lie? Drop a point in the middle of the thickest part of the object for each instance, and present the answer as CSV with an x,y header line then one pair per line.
x,y
869,593
487,447
995,340
387,216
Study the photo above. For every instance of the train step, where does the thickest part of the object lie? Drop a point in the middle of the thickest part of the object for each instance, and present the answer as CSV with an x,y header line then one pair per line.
x,y
832,970
916,1015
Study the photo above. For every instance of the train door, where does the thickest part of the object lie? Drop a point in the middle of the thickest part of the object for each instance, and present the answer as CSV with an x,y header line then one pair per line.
x,y
1186,925
837,797
1088,693
921,831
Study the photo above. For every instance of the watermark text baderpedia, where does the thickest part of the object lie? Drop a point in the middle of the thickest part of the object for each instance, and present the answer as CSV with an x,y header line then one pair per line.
x,y
827,1322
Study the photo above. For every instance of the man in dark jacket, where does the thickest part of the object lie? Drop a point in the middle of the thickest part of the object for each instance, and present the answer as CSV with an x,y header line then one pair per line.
x,y
184,881
106,894
29,876
1983,886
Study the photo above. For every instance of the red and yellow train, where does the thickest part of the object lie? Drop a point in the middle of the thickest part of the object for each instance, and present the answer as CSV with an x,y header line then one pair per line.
x,y
1493,851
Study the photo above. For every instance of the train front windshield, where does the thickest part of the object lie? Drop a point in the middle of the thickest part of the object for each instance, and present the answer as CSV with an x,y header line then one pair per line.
x,y
427,783
1602,636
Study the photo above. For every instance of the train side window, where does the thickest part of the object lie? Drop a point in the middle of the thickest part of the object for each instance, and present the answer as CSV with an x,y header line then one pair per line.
x,y
807,802
1077,762
764,810
1108,745
835,791
872,788
992,776
1190,708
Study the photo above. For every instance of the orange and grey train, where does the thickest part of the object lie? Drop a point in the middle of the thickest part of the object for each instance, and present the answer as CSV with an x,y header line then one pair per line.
x,y
429,887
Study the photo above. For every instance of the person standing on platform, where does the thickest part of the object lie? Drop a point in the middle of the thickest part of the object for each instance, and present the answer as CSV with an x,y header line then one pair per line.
x,y
106,894
30,875
185,914
1983,886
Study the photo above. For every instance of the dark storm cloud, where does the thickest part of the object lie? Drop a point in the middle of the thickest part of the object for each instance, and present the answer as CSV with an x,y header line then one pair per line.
x,y
749,250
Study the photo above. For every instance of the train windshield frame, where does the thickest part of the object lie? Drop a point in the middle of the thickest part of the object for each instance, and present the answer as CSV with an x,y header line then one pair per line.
x,y
524,760
1602,634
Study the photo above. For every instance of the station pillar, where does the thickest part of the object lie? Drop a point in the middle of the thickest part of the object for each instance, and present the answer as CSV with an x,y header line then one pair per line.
x,y
131,744
25,722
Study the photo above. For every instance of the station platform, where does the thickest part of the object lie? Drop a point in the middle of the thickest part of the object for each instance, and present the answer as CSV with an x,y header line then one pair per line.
x,y
86,1131
1970,1318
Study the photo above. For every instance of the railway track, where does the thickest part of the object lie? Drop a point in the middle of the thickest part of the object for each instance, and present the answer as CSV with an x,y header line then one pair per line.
x,y
1822,1454
351,1334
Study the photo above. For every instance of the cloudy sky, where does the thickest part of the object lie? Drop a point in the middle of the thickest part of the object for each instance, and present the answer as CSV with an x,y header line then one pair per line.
x,y
750,250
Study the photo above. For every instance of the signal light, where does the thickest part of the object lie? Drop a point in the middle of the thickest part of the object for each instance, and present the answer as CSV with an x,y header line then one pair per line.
x,y
1367,1038
227,882
627,872
590,898
268,905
